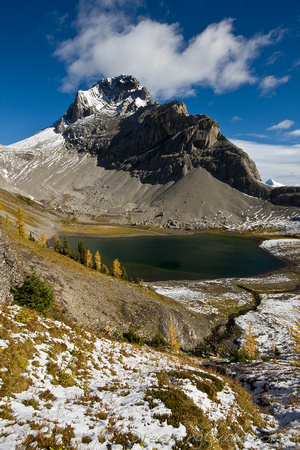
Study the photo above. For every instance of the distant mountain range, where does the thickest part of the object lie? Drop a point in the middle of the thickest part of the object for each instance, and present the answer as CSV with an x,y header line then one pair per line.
x,y
115,151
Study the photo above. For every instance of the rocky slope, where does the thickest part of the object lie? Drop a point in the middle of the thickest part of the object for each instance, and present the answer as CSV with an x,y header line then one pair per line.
x,y
95,300
115,151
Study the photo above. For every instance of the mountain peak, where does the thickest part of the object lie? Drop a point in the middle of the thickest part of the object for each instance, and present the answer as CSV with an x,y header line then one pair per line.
x,y
117,96
273,183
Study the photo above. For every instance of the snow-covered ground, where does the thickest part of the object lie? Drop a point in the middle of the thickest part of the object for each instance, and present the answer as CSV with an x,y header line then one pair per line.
x,y
88,392
274,379
85,392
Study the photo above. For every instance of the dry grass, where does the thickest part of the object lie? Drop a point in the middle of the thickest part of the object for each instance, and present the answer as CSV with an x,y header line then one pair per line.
x,y
105,230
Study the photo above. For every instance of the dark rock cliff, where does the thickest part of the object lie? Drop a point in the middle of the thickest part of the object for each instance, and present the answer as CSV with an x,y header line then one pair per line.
x,y
158,143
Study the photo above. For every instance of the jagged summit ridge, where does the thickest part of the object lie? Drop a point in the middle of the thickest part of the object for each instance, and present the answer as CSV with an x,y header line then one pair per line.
x,y
117,96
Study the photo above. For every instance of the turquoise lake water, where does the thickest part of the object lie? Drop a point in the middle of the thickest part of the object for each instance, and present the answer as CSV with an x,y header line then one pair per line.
x,y
199,256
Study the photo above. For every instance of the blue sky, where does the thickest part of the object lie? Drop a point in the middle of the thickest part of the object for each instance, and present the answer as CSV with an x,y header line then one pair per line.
x,y
235,60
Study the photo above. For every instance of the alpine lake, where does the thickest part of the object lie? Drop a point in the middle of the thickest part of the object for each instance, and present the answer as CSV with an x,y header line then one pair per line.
x,y
187,257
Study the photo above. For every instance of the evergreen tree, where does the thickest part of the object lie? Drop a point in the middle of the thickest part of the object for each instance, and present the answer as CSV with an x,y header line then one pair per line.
x,y
80,253
31,238
124,273
116,268
21,227
66,249
89,259
97,260
34,293
105,269
76,255
57,244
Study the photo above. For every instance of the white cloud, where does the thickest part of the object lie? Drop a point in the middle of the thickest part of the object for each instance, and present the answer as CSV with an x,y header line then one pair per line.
x,y
283,125
294,133
110,41
279,162
236,119
270,83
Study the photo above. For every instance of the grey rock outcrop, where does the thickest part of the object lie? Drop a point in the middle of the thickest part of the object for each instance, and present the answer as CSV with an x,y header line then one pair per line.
x,y
10,272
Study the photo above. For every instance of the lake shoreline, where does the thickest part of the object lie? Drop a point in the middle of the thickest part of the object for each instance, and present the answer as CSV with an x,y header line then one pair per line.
x,y
196,256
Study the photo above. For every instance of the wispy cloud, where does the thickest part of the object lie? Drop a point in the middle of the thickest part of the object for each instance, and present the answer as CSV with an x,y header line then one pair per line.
x,y
283,125
111,40
270,83
236,119
279,162
273,58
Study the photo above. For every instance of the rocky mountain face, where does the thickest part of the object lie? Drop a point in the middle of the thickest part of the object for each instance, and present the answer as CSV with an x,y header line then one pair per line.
x,y
119,96
117,151
158,143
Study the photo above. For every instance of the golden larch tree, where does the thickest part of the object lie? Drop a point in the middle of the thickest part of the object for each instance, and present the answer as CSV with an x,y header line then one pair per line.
x,y
89,259
98,260
116,268
42,238
250,344
172,339
294,333
21,227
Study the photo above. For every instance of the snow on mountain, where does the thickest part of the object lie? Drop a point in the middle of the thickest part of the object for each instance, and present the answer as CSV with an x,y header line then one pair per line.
x,y
118,96
273,183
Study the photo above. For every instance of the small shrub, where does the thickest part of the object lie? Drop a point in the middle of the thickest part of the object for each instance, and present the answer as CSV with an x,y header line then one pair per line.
x,y
34,293
159,342
25,315
47,396
60,376
183,409
240,355
275,349
132,337
31,402
266,358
